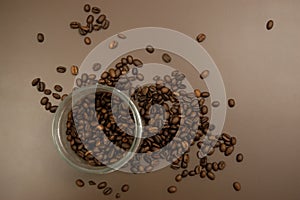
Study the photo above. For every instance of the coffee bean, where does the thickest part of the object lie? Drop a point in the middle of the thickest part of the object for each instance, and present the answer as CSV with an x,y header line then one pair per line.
x,y
96,27
105,24
90,19
63,97
202,174
221,165
165,90
204,110
231,103
48,106
113,44
239,157
192,173
233,140
237,186
56,96
197,169
79,183
53,109
101,19
215,104
92,183
211,175
41,86
87,8
47,92
58,88
137,63
87,40
222,147
229,150
40,37
125,188
102,185
149,49
35,81
61,69
201,37
121,36
197,93
204,74
107,191
178,178
96,10
118,195
96,67
74,70
270,24
82,31
172,189
208,167
166,58
215,166
205,94
135,71
184,173
140,77
44,100
74,25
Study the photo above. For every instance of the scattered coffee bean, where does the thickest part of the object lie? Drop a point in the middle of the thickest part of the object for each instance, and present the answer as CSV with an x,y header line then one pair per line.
x,y
166,58
96,10
215,166
202,174
205,94
96,67
149,49
113,44
233,140
44,101
96,27
178,178
40,37
87,8
79,183
35,81
74,70
231,103
90,19
239,157
137,63
211,175
74,25
56,96
192,173
58,88
61,69
140,77
47,92
102,185
215,104
197,93
204,74
270,24
121,36
53,109
184,173
125,188
101,19
222,147
172,189
221,165
41,86
107,191
118,195
229,150
237,186
105,24
48,105
92,183
201,37
87,40
63,97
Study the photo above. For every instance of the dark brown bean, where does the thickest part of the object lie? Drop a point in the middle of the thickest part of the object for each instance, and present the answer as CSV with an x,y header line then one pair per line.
x,y
231,103
137,63
172,189
44,101
222,147
58,88
221,165
211,175
82,31
92,183
201,37
205,94
74,70
184,173
96,27
61,69
270,24
237,186
233,140
215,166
74,25
102,185
105,24
90,19
239,157
79,183
87,40
63,97
41,86
229,150
149,49
35,81
47,92
40,37
178,178
87,7
107,191
53,109
56,96
192,173
101,19
202,174
125,188
96,10
48,106
118,195
166,58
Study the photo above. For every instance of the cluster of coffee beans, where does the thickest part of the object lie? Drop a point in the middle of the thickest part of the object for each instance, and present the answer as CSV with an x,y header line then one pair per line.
x,y
94,22
103,185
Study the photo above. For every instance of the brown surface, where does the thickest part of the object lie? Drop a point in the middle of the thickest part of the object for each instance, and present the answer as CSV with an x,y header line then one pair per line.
x,y
261,69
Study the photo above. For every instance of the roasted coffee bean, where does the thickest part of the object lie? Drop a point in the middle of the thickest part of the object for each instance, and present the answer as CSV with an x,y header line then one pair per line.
x,y
101,19
205,94
270,24
41,86
96,67
201,37
215,166
40,37
35,81
79,183
44,101
208,167
48,106
125,188
53,109
121,36
239,157
204,74
178,178
87,40
165,90
140,77
166,58
222,147
197,169
105,24
129,59
202,174
172,189
137,63
96,27
184,173
74,70
225,137
211,175
233,140
107,191
204,110
229,150
197,93
113,44
47,92
61,69
58,88
82,31
149,49
231,103
92,183
87,8
63,97
95,10
56,96
135,71
192,173
118,195
74,25
221,165
237,186
90,19
102,185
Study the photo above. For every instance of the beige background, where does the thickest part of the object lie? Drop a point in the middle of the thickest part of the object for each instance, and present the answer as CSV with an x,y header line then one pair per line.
x,y
261,69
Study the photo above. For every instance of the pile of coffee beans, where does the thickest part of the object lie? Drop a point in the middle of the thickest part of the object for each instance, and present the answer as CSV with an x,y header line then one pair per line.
x,y
94,22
